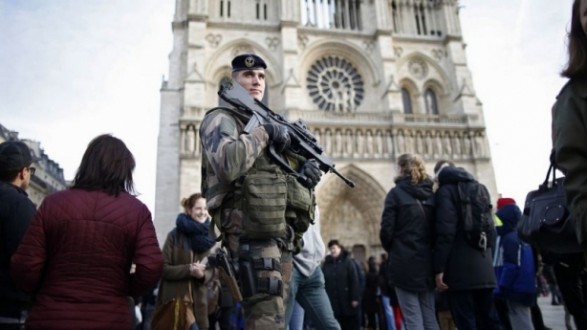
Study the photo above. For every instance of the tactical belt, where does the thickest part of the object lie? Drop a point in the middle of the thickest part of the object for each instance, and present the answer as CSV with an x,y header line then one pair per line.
x,y
270,285
267,264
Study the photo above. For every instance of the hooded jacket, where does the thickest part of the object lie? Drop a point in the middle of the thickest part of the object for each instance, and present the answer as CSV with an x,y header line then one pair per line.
x,y
514,261
464,267
407,234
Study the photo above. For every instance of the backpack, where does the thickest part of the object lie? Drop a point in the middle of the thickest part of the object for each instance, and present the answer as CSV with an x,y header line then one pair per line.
x,y
476,214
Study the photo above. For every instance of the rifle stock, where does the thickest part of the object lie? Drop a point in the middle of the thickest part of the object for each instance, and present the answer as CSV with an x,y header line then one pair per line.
x,y
227,276
303,141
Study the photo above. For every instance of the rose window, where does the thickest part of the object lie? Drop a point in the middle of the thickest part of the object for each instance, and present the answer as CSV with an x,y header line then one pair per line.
x,y
335,85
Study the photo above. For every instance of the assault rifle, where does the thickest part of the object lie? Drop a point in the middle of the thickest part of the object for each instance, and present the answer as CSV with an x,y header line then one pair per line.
x,y
227,276
303,141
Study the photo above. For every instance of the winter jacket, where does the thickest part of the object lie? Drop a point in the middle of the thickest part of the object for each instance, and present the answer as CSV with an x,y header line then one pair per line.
x,y
569,133
514,261
176,278
464,267
371,294
407,234
342,284
16,214
76,257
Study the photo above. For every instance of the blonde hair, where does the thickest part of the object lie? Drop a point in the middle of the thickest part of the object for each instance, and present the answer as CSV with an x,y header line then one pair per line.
x,y
189,202
412,165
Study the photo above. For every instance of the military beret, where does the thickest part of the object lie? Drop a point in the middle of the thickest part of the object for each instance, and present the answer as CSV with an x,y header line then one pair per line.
x,y
14,155
247,62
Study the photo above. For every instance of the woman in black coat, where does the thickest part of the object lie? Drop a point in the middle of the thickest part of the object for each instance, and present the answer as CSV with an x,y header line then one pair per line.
x,y
342,286
407,234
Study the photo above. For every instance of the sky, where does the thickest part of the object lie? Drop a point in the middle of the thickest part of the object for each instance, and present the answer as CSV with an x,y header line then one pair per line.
x,y
71,70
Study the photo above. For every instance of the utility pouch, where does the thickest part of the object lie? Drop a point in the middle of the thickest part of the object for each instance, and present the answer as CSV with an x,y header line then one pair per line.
x,y
299,197
247,278
264,203
301,204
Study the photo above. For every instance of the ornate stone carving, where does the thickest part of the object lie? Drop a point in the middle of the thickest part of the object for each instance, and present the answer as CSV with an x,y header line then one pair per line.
x,y
302,40
335,85
272,43
369,46
418,68
438,53
214,39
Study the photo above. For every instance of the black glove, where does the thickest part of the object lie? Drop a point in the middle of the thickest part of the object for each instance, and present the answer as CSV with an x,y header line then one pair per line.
x,y
279,136
311,171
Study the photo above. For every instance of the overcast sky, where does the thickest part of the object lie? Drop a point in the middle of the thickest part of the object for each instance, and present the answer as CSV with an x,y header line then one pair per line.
x,y
71,70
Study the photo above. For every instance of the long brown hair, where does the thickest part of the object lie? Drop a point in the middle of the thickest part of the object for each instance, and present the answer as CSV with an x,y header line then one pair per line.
x,y
107,165
412,165
576,46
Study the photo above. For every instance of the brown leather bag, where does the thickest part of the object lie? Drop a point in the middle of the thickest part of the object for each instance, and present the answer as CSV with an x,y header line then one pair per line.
x,y
176,314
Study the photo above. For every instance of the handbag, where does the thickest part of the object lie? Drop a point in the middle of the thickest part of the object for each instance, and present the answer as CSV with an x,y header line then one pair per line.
x,y
176,314
546,221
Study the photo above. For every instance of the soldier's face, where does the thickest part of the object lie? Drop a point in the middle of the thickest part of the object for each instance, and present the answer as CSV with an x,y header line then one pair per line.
x,y
253,81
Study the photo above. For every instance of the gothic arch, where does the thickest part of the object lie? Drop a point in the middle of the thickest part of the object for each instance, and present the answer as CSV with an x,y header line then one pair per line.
x,y
352,215
436,72
349,51
223,56
413,93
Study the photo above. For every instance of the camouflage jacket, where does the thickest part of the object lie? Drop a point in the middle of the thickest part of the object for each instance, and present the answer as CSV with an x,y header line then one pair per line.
x,y
227,152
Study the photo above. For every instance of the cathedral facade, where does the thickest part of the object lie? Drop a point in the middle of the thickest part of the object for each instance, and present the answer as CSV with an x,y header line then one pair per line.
x,y
373,79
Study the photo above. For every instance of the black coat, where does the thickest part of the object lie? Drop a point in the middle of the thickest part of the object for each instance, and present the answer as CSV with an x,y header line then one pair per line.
x,y
16,214
464,267
342,284
407,234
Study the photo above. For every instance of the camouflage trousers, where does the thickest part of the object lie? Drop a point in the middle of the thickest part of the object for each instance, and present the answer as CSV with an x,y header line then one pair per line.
x,y
264,307
265,268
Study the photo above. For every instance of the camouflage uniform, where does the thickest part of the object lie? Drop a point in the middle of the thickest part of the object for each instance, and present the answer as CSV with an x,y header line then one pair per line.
x,y
249,198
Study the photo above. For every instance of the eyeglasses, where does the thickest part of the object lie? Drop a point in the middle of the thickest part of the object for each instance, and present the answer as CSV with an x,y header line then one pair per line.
x,y
32,170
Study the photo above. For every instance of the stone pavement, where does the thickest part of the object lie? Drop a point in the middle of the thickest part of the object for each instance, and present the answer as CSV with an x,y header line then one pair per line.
x,y
554,316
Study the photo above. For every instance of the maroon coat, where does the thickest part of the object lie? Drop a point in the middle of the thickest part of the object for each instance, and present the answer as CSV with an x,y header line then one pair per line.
x,y
76,257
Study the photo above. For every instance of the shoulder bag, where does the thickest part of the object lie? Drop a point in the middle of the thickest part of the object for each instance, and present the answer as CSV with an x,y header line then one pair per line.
x,y
546,221
176,314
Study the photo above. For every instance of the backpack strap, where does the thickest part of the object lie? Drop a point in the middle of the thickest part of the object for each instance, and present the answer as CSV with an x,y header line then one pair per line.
x,y
466,209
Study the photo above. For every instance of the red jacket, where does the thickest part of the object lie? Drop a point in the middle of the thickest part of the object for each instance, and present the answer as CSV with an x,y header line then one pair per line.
x,y
76,257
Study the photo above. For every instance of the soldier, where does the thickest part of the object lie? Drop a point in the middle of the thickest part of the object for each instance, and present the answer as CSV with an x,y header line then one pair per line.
x,y
260,210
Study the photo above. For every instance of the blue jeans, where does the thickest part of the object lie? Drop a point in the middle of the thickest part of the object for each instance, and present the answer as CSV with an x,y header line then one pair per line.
x,y
310,293
389,315
296,322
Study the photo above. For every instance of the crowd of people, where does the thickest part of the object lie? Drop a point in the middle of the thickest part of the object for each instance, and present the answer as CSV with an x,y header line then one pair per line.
x,y
88,256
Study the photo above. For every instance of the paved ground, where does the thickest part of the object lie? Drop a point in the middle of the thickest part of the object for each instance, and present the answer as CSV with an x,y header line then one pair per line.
x,y
554,316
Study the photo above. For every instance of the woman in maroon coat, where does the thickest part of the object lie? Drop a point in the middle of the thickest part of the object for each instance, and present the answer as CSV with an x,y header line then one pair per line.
x,y
77,254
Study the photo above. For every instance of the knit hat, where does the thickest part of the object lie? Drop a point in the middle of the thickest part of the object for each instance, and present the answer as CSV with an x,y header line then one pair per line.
x,y
14,156
501,202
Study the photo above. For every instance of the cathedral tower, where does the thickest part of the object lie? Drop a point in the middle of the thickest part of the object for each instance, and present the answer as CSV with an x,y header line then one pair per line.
x,y
372,78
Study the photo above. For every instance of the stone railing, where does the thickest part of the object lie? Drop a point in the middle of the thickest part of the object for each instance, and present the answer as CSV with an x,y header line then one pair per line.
x,y
364,136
